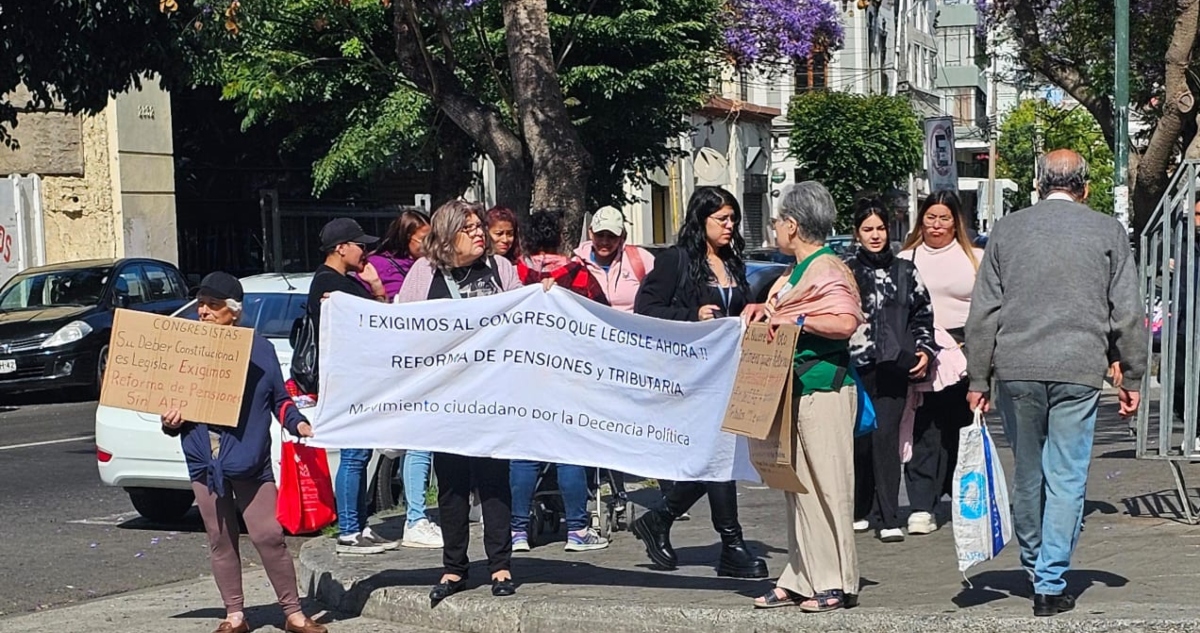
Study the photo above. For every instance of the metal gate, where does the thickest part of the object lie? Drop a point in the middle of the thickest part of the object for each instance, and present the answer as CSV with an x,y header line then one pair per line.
x,y
1170,267
292,228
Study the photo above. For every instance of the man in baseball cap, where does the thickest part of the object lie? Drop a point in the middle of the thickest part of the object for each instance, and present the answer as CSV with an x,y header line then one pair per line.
x,y
344,244
344,231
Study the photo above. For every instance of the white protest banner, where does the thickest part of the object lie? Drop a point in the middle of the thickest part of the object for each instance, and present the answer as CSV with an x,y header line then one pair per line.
x,y
529,375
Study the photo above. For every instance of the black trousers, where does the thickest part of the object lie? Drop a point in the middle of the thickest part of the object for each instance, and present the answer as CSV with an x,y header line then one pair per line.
x,y
680,496
877,454
935,445
456,476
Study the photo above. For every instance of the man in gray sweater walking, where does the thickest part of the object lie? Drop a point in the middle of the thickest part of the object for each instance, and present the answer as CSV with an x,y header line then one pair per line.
x,y
1056,301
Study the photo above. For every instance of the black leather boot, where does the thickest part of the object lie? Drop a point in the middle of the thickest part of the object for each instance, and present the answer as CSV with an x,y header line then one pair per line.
x,y
653,529
736,559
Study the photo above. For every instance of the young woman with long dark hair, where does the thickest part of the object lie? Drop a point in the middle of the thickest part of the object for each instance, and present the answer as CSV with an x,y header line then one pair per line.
x,y
703,277
893,345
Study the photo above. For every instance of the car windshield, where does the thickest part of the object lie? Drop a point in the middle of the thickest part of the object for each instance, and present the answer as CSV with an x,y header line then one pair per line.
x,y
79,287
271,314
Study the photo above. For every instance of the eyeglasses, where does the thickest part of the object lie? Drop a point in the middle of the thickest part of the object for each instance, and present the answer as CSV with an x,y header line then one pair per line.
x,y
725,220
938,221
471,228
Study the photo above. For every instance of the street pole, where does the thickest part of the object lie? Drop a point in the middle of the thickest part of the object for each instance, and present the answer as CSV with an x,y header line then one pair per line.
x,y
993,132
1121,105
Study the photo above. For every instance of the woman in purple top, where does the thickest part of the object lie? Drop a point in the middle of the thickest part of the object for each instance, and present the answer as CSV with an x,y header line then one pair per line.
x,y
392,259
399,248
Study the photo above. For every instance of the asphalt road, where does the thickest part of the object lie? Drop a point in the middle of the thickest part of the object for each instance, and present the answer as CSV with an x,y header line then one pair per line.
x,y
64,536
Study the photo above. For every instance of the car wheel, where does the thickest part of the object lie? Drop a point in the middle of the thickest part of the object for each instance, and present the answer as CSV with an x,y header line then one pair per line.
x,y
101,366
388,486
161,505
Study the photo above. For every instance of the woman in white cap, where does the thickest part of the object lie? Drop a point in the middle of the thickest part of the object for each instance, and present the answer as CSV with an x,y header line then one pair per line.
x,y
230,469
617,266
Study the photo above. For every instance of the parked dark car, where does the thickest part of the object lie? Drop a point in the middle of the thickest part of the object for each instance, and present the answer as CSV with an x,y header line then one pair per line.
x,y
55,320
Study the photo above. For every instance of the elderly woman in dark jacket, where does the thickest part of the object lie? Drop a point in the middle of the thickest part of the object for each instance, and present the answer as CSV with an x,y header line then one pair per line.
x,y
700,279
894,344
230,469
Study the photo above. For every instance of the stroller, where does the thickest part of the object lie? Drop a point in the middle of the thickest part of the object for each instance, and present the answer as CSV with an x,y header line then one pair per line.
x,y
546,512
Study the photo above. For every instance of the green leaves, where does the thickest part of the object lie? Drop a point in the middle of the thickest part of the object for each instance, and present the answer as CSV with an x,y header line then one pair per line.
x,y
1036,126
851,143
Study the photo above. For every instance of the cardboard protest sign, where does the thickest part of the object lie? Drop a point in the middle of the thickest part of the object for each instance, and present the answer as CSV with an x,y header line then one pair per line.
x,y
157,363
775,457
763,370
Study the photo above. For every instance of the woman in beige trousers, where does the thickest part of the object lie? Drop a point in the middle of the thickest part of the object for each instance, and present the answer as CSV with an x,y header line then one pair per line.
x,y
821,297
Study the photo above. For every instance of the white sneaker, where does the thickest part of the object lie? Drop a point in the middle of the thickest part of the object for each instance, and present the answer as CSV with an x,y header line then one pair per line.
x,y
423,535
355,544
585,540
891,535
862,525
376,539
922,523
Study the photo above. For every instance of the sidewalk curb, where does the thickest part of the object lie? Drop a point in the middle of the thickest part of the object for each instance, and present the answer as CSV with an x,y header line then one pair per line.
x,y
478,612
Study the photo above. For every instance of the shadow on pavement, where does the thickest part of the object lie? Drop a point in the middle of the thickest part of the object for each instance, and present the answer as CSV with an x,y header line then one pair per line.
x,y
1163,504
262,615
991,586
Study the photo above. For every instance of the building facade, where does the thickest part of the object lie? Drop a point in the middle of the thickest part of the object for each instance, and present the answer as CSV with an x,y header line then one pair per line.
x,y
107,181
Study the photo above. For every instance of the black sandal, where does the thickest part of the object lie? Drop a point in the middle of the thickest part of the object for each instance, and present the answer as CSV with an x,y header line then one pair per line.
x,y
771,599
831,600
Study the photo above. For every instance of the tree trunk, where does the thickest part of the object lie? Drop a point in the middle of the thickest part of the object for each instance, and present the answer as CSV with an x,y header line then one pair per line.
x,y
1160,153
561,165
483,124
452,166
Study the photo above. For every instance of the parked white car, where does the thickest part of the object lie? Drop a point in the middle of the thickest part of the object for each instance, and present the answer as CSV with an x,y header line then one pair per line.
x,y
132,451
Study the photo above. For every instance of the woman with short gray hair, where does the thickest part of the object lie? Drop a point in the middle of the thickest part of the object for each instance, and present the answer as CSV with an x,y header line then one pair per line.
x,y
820,296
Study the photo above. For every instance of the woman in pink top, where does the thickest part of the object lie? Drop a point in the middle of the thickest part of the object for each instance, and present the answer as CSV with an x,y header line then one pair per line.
x,y
947,262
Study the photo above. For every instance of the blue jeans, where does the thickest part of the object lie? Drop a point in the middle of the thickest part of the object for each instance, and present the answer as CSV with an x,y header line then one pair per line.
x,y
1050,426
416,479
572,482
351,487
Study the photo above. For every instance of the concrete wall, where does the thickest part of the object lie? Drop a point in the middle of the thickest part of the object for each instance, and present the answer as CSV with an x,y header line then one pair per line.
x,y
108,181
77,211
146,173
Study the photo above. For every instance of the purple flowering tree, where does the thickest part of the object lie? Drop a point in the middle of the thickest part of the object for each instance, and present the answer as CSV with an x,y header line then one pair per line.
x,y
758,30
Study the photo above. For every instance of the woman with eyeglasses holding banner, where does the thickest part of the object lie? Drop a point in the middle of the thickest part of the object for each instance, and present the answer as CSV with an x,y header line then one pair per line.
x,y
947,262
456,266
702,278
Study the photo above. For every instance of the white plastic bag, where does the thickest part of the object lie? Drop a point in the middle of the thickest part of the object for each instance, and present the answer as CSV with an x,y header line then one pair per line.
x,y
982,517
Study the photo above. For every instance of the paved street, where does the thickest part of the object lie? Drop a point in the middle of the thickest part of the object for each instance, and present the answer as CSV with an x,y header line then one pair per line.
x,y
66,537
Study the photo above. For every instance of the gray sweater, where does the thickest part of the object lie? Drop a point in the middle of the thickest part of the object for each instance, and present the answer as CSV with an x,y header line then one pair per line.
x,y
1056,300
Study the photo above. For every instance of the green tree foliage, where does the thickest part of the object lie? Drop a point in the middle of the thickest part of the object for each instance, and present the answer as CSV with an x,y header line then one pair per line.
x,y
852,143
630,70
1035,126
74,54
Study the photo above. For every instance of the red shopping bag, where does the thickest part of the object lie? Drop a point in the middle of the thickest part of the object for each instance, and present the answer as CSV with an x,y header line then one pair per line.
x,y
306,503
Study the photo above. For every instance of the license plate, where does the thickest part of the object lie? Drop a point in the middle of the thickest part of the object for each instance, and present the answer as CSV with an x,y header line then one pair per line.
x,y
8,366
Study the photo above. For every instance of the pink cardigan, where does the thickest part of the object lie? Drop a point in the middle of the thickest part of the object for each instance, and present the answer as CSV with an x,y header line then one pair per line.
x,y
420,279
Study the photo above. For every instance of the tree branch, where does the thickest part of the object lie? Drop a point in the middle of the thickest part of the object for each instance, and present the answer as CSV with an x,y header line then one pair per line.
x,y
1032,53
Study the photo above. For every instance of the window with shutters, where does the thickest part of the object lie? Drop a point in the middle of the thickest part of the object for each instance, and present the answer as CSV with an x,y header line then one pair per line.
x,y
812,73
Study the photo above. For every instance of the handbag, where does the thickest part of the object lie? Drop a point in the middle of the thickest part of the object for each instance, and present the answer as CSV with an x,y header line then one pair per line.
x,y
982,518
864,417
305,503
